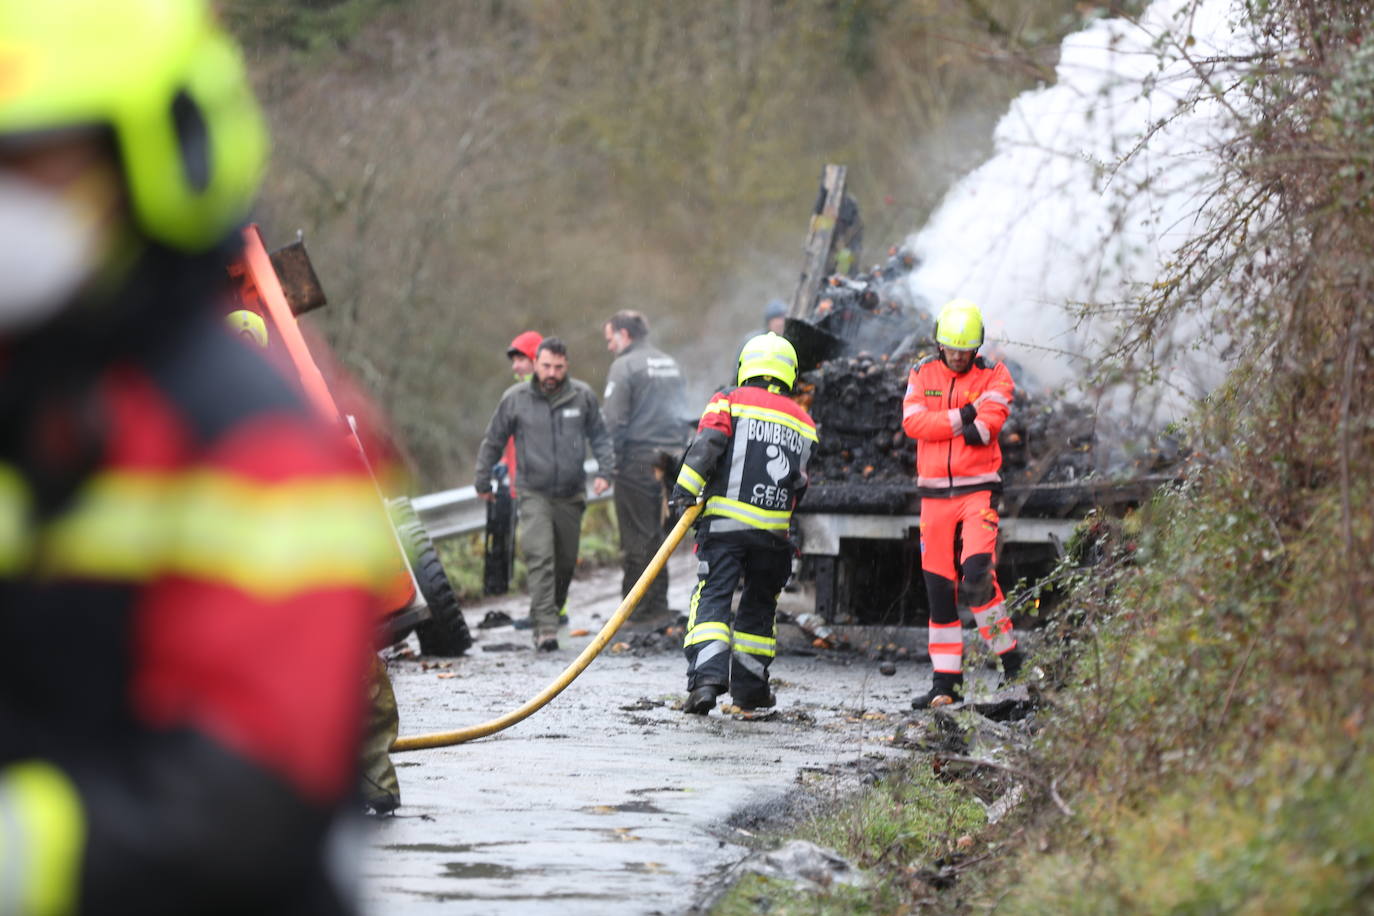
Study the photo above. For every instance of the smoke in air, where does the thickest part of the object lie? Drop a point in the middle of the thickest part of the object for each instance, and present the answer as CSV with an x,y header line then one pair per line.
x,y
1086,196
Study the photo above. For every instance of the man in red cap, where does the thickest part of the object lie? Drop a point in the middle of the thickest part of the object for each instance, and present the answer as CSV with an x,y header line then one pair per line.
x,y
499,562
521,354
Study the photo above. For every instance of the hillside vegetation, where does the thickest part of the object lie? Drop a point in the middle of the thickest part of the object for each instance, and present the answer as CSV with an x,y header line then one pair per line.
x,y
1215,720
463,171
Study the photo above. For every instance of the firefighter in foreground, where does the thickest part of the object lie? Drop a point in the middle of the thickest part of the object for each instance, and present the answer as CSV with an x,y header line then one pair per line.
x,y
379,787
197,553
748,461
954,407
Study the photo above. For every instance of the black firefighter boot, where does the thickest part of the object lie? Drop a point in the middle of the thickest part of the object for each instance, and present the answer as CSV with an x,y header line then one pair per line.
x,y
1011,664
702,700
944,690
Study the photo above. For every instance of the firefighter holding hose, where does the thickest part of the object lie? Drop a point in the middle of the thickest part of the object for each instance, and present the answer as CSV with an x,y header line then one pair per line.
x,y
954,407
748,462
189,557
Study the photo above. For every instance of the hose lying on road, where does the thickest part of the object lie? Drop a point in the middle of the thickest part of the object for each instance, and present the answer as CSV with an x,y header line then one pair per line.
x,y
593,649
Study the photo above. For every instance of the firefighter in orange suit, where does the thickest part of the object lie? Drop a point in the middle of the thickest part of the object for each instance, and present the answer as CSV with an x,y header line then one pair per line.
x,y
954,407
190,558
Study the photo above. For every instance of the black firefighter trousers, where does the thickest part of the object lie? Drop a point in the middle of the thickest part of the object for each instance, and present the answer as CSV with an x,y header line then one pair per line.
x,y
734,650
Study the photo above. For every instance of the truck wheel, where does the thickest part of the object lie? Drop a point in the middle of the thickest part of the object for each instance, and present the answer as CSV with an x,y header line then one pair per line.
x,y
445,632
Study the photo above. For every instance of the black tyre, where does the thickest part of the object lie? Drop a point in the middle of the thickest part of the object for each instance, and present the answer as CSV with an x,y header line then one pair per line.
x,y
446,631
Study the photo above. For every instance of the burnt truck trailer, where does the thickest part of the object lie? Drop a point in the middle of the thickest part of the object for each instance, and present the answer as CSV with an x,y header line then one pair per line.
x,y
857,338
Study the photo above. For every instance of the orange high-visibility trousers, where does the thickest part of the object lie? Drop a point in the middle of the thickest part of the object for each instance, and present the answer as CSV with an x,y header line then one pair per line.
x,y
971,521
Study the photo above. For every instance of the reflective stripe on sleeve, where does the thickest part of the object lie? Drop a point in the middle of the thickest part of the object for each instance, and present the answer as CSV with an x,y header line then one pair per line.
x,y
719,405
983,432
956,422
42,833
912,410
267,539
690,480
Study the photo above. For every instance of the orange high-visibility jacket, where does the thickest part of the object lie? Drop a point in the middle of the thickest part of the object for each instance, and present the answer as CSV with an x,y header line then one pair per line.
x,y
954,456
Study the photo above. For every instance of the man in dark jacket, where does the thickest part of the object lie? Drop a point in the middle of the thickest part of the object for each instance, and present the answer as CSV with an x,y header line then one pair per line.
x,y
201,547
554,420
646,414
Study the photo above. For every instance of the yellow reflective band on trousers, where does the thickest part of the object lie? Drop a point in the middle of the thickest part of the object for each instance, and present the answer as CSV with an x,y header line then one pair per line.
x,y
42,833
690,480
692,604
268,539
705,632
753,516
14,515
769,415
755,645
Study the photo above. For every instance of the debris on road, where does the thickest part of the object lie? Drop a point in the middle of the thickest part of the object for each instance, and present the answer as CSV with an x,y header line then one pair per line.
x,y
494,619
802,862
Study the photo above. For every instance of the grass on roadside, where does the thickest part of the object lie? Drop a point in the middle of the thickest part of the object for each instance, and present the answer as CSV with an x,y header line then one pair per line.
x,y
899,830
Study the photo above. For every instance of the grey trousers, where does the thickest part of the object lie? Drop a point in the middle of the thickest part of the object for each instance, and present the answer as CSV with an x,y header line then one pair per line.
x,y
550,530
639,513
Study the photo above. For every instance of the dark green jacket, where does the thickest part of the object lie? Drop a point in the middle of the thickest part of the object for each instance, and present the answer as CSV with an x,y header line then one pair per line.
x,y
646,401
552,434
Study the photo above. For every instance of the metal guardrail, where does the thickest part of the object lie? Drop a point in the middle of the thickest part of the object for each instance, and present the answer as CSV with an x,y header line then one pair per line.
x,y
450,513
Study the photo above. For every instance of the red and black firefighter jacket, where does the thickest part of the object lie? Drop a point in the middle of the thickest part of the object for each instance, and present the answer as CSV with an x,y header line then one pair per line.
x,y
749,460
189,560
955,420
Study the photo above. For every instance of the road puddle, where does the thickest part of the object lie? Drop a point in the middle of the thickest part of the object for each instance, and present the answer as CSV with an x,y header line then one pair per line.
x,y
478,870
630,807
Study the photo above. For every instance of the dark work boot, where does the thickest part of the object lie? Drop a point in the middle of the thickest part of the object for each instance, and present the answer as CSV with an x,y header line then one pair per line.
x,y
945,689
1011,664
701,700
748,702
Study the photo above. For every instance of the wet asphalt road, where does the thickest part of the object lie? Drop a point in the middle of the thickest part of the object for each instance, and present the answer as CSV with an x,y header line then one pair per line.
x,y
609,800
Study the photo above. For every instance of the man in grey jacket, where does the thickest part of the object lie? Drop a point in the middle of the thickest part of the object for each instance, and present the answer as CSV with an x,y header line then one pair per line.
x,y
553,419
647,414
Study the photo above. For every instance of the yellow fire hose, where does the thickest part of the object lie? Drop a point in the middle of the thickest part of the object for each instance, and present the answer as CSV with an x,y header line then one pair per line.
x,y
593,649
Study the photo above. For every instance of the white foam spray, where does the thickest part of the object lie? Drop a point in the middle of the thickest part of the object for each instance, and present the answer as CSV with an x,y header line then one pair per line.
x,y
1061,214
